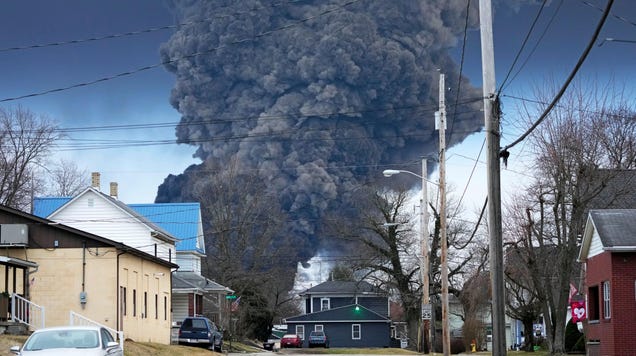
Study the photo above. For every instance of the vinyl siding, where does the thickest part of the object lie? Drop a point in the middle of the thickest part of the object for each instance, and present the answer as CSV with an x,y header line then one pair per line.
x,y
93,214
189,262
596,245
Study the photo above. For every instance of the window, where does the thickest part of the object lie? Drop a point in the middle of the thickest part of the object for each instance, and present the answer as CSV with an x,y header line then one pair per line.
x,y
106,337
134,302
145,315
607,313
300,331
122,291
593,305
319,328
355,332
324,304
156,306
165,308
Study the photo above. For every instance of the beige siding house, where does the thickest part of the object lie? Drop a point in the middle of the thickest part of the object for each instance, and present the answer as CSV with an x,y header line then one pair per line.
x,y
70,270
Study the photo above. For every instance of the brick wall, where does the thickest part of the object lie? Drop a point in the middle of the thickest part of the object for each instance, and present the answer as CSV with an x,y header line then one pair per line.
x,y
613,334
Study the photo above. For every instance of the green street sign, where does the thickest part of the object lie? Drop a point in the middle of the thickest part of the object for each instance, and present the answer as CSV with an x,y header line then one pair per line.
x,y
230,296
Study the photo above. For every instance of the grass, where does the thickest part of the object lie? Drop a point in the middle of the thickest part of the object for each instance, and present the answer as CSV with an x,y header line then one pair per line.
x,y
348,351
147,348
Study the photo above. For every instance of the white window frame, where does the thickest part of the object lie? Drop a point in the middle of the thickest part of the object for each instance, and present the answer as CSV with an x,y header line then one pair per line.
x,y
300,331
319,327
353,331
607,313
322,304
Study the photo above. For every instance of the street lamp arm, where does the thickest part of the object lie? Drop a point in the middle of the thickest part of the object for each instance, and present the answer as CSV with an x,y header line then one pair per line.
x,y
392,172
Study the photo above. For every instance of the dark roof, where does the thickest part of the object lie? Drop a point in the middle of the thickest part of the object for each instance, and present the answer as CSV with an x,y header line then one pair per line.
x,y
87,235
344,287
619,191
189,281
347,313
615,227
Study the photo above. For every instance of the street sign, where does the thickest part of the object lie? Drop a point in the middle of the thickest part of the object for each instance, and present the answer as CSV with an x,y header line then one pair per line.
x,y
230,296
426,312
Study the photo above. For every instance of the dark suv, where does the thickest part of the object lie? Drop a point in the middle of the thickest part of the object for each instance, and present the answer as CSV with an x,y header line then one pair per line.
x,y
200,331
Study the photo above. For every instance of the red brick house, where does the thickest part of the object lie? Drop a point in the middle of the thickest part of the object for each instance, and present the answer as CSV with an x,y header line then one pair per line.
x,y
608,251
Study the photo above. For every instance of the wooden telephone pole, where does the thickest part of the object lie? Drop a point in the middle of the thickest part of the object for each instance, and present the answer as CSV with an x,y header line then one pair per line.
x,y
491,118
441,123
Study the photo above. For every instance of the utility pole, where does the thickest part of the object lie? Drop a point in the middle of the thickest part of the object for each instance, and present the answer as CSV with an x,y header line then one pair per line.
x,y
424,262
441,122
491,118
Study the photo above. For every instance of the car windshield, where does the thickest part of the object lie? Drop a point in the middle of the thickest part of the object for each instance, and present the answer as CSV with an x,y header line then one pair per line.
x,y
317,333
56,339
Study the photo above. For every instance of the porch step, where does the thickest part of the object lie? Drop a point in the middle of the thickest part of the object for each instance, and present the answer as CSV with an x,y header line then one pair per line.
x,y
13,328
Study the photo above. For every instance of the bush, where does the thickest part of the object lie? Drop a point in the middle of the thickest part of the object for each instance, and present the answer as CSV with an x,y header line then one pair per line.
x,y
457,346
574,339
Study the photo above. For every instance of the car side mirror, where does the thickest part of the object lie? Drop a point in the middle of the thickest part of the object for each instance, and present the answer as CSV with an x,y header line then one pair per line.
x,y
112,344
15,350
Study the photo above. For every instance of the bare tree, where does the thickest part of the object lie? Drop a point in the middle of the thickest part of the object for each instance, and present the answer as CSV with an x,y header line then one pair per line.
x,y
66,179
573,166
26,140
246,247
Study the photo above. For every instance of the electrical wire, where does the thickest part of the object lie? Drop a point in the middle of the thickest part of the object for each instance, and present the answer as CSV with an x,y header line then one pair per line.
x,y
188,56
618,17
523,45
536,45
461,68
142,31
568,80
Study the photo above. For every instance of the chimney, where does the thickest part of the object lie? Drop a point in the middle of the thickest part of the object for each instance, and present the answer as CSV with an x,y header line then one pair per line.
x,y
95,180
113,190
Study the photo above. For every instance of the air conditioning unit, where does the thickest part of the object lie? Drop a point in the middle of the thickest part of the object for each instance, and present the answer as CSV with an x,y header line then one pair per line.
x,y
14,234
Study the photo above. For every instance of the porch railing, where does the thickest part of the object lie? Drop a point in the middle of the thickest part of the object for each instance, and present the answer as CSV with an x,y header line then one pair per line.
x,y
27,312
78,319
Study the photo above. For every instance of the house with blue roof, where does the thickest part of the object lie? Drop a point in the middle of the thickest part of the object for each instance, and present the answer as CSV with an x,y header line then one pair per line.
x,y
105,215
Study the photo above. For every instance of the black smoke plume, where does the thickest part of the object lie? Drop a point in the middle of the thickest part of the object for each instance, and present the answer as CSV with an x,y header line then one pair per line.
x,y
317,96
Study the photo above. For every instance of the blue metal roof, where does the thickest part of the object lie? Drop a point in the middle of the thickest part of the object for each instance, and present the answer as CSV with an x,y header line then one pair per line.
x,y
181,220
45,206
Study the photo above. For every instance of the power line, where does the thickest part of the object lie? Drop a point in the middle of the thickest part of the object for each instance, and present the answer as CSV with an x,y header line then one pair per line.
x,y
621,18
139,32
523,45
189,56
461,66
568,80
536,45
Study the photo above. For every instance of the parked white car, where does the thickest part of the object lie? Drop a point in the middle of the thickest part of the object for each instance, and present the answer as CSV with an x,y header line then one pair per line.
x,y
70,341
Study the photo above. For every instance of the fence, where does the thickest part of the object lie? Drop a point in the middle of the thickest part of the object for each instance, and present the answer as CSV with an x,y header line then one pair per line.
x,y
27,312
77,319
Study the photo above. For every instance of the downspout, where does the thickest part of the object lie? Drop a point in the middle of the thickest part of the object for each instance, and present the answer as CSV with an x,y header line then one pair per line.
x,y
83,293
117,306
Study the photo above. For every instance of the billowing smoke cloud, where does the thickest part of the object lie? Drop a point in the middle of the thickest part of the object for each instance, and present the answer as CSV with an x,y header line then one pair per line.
x,y
316,100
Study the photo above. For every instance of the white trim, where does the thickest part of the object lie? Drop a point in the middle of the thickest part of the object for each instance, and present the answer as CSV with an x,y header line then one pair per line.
x,y
607,312
324,299
300,331
353,332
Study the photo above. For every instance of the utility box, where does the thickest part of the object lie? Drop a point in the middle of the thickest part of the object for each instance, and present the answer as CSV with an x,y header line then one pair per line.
x,y
14,234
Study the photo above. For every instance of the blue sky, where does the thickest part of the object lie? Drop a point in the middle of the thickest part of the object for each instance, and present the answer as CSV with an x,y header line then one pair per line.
x,y
143,97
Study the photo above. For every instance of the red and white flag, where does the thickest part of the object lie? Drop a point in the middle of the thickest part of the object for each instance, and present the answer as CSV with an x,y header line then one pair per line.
x,y
573,291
